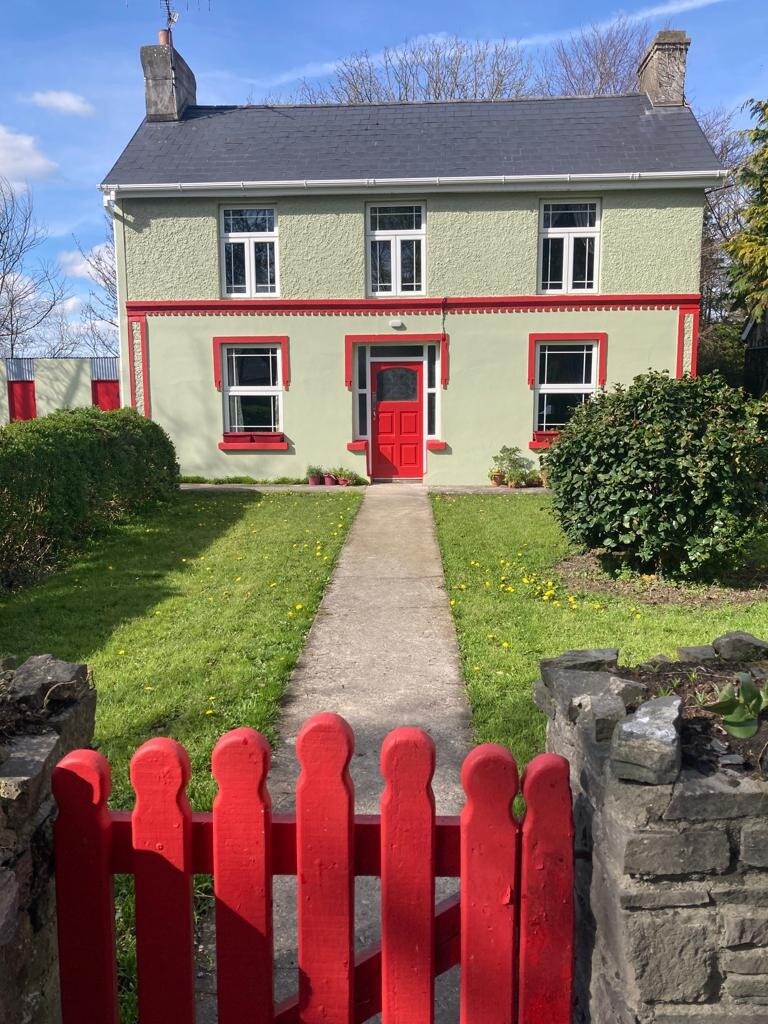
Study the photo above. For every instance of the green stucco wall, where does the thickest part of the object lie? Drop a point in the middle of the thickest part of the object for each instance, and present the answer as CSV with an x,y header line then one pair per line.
x,y
62,383
477,244
487,403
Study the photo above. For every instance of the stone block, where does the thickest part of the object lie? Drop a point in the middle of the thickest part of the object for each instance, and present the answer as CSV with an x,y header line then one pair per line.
x,y
744,927
634,806
660,895
747,887
740,646
25,776
698,655
9,905
542,698
43,679
75,722
629,691
715,1014
597,714
754,844
677,853
673,957
697,797
745,961
751,988
565,685
587,660
646,745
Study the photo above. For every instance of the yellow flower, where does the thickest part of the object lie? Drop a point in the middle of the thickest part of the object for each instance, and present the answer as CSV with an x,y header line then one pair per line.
x,y
121,652
290,615
210,711
556,604
149,687
453,602
238,578
298,607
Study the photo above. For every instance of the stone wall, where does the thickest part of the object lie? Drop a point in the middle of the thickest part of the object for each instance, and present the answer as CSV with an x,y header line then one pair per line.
x,y
46,709
672,863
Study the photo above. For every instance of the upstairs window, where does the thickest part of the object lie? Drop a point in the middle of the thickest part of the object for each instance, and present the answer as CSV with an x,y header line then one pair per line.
x,y
395,237
253,391
566,375
249,251
569,234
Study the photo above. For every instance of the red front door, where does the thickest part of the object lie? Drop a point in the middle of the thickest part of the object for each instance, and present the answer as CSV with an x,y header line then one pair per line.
x,y
397,425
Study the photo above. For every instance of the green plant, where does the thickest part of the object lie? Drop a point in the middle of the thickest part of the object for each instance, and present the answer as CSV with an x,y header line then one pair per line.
x,y
740,708
342,473
748,249
315,471
669,474
64,476
511,464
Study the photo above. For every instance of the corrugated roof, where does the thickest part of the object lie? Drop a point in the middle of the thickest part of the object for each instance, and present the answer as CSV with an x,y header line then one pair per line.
x,y
529,137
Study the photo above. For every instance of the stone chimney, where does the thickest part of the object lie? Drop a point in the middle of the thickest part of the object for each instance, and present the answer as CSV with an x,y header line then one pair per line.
x,y
662,70
169,85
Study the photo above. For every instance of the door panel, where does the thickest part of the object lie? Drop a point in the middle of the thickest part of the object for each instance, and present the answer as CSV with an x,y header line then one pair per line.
x,y
397,420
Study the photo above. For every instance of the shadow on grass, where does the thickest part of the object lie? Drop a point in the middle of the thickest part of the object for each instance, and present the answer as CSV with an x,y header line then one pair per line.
x,y
122,574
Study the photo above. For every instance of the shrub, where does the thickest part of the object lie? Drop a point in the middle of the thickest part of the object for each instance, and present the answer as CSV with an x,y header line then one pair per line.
x,y
670,474
65,475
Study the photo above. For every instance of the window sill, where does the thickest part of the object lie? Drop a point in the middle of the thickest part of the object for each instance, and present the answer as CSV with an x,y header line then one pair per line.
x,y
235,441
543,439
360,445
433,445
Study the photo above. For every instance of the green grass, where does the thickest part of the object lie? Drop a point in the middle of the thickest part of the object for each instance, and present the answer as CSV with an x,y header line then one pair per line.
x,y
191,618
502,634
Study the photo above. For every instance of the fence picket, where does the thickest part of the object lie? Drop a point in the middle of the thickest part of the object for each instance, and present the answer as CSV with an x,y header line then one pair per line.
x,y
489,855
162,865
325,870
546,894
84,896
407,878
242,873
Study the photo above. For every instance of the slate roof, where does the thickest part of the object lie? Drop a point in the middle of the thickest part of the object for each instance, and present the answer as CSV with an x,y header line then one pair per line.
x,y
529,137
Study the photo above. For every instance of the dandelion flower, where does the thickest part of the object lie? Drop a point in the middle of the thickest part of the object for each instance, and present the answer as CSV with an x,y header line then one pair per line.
x,y
298,607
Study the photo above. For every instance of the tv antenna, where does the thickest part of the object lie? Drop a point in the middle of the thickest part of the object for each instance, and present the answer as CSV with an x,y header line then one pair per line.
x,y
171,16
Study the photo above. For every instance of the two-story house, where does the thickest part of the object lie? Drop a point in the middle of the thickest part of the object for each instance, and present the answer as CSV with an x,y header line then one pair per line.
x,y
401,287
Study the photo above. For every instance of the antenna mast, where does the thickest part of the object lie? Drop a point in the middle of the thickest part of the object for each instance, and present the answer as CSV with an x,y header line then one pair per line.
x,y
171,16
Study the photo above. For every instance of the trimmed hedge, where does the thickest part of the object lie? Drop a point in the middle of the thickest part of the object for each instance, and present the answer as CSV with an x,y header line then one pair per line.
x,y
670,475
66,475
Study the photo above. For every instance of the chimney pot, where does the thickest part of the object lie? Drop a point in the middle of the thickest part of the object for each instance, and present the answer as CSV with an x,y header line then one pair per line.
x,y
164,37
661,73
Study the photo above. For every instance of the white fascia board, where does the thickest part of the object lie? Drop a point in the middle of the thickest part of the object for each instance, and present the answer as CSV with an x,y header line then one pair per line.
x,y
497,183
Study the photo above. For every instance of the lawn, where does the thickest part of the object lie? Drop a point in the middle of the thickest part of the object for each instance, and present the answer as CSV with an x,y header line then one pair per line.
x,y
190,618
510,610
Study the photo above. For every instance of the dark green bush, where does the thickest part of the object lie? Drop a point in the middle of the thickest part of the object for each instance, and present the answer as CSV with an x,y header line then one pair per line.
x,y
65,475
668,474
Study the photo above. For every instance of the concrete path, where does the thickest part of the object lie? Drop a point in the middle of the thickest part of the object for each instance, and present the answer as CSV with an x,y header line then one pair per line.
x,y
382,652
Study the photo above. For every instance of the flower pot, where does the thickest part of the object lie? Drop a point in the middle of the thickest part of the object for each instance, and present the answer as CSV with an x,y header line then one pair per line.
x,y
329,480
343,481
314,481
497,479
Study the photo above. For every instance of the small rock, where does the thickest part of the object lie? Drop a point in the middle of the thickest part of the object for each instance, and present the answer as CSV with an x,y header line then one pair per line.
x,y
588,661
630,692
700,654
718,746
599,713
646,745
739,646
44,679
731,760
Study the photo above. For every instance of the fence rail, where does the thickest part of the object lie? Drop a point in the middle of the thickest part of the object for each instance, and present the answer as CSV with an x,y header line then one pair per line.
x,y
510,930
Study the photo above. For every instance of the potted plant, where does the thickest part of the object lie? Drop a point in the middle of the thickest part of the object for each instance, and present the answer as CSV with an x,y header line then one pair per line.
x,y
328,478
342,475
496,476
314,476
509,466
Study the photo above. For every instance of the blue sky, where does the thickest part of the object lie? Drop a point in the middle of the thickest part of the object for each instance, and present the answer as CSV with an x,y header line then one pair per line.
x,y
71,89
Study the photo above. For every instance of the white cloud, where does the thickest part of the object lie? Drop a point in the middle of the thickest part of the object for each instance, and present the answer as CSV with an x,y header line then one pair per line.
x,y
74,264
70,305
62,101
323,69
21,159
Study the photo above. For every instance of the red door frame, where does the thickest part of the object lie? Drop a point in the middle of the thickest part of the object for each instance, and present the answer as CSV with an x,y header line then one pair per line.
x,y
376,366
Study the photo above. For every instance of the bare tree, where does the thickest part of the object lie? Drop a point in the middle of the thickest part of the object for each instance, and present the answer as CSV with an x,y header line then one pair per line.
x,y
30,288
595,61
427,69
99,315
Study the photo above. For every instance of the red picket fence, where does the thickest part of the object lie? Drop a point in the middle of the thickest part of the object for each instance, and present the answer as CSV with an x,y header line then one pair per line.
x,y
510,929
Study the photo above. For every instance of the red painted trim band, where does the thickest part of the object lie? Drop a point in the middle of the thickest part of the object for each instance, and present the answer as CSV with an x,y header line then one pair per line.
x,y
436,446
542,439
386,307
253,446
602,351
262,339
357,446
350,340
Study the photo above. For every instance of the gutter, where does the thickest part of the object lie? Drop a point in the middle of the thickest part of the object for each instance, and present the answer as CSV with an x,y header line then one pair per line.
x,y
503,182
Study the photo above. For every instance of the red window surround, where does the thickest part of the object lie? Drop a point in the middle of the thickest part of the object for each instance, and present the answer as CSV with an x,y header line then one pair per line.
x,y
238,440
350,340
544,438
